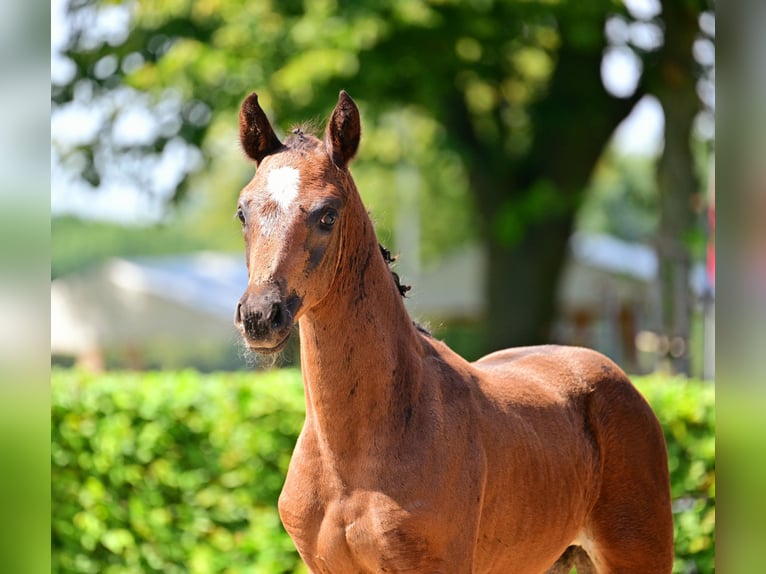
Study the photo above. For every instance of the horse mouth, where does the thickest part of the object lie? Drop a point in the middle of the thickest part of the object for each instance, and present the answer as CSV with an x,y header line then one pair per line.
x,y
262,349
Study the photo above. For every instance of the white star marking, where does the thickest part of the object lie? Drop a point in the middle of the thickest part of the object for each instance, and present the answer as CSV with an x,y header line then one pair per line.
x,y
282,186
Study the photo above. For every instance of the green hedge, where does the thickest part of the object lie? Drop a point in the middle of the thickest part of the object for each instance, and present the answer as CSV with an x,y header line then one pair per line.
x,y
180,472
172,471
686,410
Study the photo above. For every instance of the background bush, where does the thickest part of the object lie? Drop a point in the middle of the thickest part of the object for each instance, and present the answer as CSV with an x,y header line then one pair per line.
x,y
172,471
180,472
686,410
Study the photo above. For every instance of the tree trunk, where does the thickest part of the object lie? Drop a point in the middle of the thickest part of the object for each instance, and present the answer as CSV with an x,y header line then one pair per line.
x,y
676,177
677,184
522,283
542,191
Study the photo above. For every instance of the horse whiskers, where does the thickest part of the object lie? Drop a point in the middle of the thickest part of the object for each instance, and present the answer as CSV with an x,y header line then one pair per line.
x,y
250,358
256,360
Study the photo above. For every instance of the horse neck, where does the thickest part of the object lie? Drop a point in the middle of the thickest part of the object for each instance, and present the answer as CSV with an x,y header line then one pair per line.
x,y
360,353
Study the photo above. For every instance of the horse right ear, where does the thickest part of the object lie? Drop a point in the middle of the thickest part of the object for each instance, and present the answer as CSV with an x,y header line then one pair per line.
x,y
343,131
255,133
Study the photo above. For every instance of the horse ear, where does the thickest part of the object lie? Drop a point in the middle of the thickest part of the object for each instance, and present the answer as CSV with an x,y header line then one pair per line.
x,y
255,133
343,131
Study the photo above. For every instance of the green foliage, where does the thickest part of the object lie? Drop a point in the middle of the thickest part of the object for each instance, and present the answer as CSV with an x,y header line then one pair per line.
x,y
180,472
622,199
172,472
472,71
686,410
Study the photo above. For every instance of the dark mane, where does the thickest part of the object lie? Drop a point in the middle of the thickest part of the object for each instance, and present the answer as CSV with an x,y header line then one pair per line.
x,y
390,260
403,289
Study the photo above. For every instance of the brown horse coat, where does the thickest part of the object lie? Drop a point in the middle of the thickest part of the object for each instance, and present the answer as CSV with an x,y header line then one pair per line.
x,y
411,459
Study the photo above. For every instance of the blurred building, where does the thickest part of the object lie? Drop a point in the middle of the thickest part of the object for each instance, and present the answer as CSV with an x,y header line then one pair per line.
x,y
178,311
608,298
150,312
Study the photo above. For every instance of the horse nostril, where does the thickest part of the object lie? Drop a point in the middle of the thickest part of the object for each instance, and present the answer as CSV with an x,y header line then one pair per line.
x,y
238,314
276,317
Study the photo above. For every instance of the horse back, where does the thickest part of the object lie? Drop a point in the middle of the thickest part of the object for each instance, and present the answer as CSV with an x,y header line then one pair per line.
x,y
546,375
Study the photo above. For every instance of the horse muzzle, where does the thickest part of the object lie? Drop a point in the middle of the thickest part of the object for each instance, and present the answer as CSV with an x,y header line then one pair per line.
x,y
264,318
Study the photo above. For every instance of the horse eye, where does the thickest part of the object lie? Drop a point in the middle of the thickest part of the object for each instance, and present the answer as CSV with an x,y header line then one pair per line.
x,y
329,218
241,215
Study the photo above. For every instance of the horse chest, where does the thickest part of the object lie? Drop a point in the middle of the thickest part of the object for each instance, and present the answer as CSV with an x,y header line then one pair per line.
x,y
361,531
370,532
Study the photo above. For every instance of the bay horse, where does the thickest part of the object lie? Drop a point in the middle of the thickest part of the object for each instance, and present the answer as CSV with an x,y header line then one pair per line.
x,y
412,459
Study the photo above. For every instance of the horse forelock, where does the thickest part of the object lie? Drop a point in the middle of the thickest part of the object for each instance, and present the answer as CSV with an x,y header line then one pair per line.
x,y
303,137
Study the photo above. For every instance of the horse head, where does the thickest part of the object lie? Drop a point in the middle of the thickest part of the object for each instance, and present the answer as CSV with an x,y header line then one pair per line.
x,y
295,215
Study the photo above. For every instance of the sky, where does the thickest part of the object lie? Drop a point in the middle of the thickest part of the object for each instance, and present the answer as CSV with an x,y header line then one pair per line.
x,y
121,198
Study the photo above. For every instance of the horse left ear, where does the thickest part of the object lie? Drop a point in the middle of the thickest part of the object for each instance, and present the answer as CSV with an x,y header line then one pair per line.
x,y
343,131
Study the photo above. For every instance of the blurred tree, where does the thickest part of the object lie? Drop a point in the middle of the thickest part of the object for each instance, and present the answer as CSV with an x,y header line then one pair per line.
x,y
513,88
622,198
675,79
